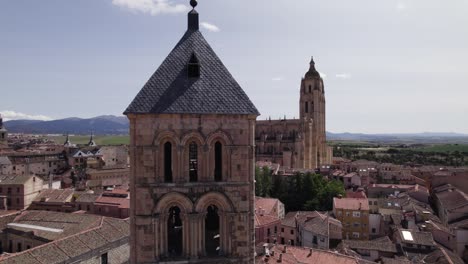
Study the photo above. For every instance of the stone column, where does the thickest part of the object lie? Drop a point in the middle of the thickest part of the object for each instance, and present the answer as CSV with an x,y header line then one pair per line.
x,y
178,166
163,239
156,226
185,234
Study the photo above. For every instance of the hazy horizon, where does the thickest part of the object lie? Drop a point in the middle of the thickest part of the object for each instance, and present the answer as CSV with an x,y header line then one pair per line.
x,y
392,66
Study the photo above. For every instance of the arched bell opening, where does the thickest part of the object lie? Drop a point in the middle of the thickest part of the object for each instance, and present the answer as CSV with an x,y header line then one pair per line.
x,y
212,232
175,232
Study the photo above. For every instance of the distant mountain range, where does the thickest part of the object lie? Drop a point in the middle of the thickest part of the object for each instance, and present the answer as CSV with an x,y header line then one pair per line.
x,y
100,125
119,125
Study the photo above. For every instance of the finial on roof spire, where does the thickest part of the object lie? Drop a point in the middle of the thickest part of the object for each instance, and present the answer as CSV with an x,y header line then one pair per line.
x,y
312,60
193,23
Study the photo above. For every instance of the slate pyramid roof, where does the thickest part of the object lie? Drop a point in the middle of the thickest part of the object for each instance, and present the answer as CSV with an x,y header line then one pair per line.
x,y
171,91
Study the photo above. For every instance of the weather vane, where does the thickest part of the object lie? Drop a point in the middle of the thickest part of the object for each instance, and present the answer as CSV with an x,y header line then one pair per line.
x,y
193,3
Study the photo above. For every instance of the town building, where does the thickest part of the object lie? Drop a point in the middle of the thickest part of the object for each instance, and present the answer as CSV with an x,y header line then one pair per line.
x,y
192,160
266,228
354,216
289,231
107,177
115,203
451,203
414,242
41,163
318,230
52,237
54,200
271,253
18,191
298,143
371,250
269,206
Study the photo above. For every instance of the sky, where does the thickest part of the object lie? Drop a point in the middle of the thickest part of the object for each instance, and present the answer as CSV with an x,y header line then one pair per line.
x,y
389,66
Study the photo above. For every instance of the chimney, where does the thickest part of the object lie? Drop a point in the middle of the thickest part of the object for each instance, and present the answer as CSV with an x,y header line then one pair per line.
x,y
284,249
310,252
280,259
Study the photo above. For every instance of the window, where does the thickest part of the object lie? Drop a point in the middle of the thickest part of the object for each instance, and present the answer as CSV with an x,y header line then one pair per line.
x,y
356,214
310,88
375,202
292,232
306,107
193,162
104,258
193,67
355,234
218,161
17,189
17,201
174,231
370,202
339,213
276,230
19,247
314,240
168,162
268,231
348,213
356,225
9,190
282,230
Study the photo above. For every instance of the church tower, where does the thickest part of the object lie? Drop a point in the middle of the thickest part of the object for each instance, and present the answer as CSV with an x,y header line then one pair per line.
x,y
3,132
91,142
312,114
192,160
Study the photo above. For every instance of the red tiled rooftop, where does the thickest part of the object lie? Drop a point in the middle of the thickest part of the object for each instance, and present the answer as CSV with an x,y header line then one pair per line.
x,y
294,255
263,220
121,202
350,203
358,195
266,204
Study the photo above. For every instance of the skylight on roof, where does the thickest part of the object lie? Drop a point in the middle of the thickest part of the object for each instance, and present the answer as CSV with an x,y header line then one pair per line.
x,y
407,235
55,230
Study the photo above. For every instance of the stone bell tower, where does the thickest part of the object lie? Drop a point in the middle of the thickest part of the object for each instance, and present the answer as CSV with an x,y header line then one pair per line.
x,y
192,160
312,114
3,132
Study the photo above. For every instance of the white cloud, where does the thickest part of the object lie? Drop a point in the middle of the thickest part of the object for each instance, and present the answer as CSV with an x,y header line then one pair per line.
x,y
401,6
12,115
323,75
277,79
210,27
152,7
343,75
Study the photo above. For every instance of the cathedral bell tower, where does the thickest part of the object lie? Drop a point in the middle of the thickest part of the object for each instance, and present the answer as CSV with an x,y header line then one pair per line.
x,y
3,132
312,114
192,131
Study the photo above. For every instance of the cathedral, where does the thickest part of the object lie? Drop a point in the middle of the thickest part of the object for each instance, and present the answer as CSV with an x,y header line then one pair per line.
x,y
298,143
192,137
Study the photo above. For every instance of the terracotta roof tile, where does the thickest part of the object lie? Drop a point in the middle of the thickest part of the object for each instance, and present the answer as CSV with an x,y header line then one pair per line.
x,y
351,204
